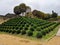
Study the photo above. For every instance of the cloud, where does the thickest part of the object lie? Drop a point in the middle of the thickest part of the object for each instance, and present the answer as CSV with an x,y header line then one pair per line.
x,y
6,6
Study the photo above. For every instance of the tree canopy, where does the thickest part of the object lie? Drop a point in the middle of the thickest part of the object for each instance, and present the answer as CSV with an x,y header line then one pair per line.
x,y
21,8
54,14
17,10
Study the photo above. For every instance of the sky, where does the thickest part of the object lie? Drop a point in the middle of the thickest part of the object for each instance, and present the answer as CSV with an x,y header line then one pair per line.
x,y
7,6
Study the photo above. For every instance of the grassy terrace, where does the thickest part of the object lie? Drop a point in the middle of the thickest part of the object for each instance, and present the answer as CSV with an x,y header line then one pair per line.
x,y
29,28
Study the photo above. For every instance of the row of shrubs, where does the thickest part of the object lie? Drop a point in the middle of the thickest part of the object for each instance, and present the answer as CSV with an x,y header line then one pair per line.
x,y
28,26
30,32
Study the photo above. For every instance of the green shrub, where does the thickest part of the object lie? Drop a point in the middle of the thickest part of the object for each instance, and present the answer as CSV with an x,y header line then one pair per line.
x,y
47,31
32,24
23,25
16,28
35,27
29,33
25,28
38,29
27,25
21,28
6,30
13,31
32,29
39,35
18,31
43,32
10,31
23,32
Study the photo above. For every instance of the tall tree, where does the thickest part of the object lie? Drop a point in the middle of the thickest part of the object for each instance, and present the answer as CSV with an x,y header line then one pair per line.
x,y
28,9
22,7
17,10
37,13
54,14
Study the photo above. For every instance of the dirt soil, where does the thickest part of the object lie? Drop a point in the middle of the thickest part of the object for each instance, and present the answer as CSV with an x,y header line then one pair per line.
x,y
6,39
2,20
54,41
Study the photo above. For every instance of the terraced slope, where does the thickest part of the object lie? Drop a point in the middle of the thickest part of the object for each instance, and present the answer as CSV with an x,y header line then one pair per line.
x,y
28,26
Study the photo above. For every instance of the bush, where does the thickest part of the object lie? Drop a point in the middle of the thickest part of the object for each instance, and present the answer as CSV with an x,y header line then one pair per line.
x,y
27,25
23,25
6,30
30,33
26,28
2,30
43,32
32,29
21,28
24,22
38,29
39,35
13,31
34,26
18,31
47,31
10,31
23,32
16,28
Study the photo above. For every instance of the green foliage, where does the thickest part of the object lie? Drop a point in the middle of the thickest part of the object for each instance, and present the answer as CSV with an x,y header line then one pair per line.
x,y
54,14
38,29
29,33
18,31
23,32
10,31
13,31
17,10
28,26
39,14
39,35
21,8
32,29
43,32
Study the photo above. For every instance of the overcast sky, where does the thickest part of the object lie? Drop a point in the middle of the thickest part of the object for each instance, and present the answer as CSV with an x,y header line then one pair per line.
x,y
6,6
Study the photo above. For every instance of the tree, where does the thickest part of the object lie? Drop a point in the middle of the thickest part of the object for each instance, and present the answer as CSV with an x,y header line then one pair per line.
x,y
23,32
30,33
22,7
54,14
39,35
34,12
47,16
38,14
28,9
17,10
